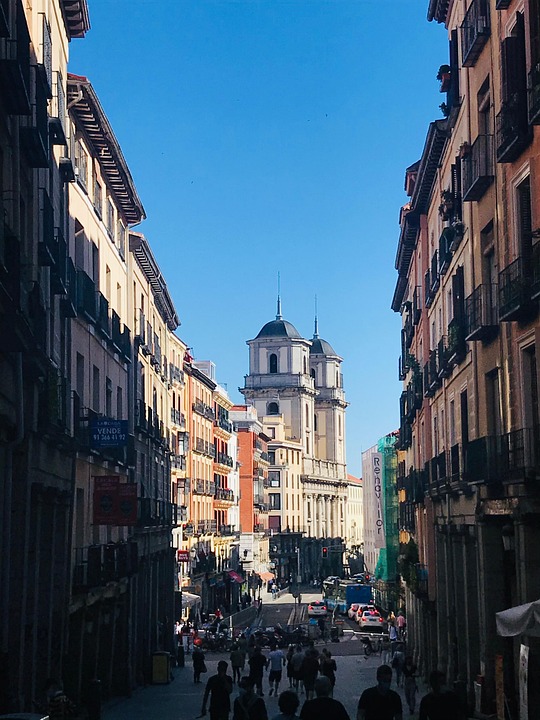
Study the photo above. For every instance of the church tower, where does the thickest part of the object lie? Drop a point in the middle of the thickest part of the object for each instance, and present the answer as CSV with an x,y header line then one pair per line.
x,y
279,380
330,405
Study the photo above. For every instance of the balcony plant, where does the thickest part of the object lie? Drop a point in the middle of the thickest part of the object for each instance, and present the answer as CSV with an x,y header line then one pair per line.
x,y
445,77
447,205
445,109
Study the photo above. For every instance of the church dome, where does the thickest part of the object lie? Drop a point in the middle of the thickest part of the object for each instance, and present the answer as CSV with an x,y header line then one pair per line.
x,y
321,347
278,329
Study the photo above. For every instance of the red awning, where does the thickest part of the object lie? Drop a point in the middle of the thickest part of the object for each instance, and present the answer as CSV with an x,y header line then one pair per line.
x,y
267,576
235,576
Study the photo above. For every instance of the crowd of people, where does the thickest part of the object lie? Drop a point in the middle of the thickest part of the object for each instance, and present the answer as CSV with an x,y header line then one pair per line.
x,y
310,675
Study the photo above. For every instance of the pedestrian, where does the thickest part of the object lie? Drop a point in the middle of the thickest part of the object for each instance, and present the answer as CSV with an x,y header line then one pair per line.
x,y
288,705
310,670
439,703
257,665
199,666
323,706
273,590
380,702
248,705
219,688
401,623
290,671
238,662
321,622
296,663
277,661
328,668
409,682
59,706
398,661
393,636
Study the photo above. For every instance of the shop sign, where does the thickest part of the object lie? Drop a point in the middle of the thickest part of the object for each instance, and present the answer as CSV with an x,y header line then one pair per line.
x,y
182,556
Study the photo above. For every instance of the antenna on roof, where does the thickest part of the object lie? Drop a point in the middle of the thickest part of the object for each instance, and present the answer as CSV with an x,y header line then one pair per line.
x,y
279,316
316,333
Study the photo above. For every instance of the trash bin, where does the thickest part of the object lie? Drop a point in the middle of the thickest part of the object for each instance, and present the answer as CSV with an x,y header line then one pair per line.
x,y
334,634
161,668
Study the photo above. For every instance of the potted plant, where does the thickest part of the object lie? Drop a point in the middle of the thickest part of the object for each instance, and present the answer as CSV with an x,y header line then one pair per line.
x,y
445,109
447,205
444,76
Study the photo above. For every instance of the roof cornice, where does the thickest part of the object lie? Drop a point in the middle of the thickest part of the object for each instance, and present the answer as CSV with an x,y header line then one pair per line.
x,y
439,10
140,248
88,115
76,18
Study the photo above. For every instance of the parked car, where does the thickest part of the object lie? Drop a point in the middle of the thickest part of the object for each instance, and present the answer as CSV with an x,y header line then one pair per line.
x,y
317,609
371,621
351,612
363,608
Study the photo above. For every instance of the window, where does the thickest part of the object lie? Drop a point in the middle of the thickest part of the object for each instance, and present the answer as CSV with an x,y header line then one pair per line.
x,y
121,239
108,283
272,409
307,415
80,377
80,242
108,397
81,164
274,478
272,457
315,422
273,363
312,373
110,218
271,432
531,399
98,197
305,365
275,501
493,403
119,403
524,219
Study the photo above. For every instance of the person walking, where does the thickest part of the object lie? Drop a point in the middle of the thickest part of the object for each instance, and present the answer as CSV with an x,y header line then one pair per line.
x,y
248,705
398,661
409,683
401,623
199,665
290,671
219,688
257,665
380,702
439,703
393,636
328,667
277,661
296,663
323,706
288,705
238,661
310,670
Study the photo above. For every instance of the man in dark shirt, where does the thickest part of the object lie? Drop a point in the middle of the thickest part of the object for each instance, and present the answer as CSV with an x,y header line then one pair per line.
x,y
219,687
440,704
380,702
323,706
257,666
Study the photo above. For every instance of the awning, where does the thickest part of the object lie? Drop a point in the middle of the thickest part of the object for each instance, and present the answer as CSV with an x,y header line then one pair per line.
x,y
266,576
519,620
189,600
235,576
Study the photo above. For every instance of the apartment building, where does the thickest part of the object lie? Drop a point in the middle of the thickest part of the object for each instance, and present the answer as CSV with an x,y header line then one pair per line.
x,y
36,490
467,290
354,514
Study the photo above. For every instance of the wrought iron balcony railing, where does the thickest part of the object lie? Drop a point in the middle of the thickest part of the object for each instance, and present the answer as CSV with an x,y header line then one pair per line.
x,y
475,31
481,313
478,168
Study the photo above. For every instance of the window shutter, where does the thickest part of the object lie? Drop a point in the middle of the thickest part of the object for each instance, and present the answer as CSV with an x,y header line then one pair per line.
x,y
458,293
534,33
453,95
456,189
525,219
514,78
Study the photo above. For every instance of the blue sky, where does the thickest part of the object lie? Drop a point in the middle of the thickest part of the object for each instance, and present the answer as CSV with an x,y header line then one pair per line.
x,y
266,136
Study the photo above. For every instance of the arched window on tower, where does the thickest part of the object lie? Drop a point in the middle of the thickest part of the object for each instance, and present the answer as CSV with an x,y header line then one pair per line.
x,y
272,409
305,365
272,363
312,373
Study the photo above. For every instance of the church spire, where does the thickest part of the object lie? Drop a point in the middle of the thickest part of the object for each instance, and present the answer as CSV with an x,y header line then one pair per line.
x,y
316,332
279,316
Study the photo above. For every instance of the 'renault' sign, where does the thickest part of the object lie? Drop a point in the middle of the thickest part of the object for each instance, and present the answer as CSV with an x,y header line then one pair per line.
x,y
115,503
105,432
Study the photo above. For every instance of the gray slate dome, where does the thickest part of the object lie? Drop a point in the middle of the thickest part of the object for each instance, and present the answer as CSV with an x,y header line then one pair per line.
x,y
321,347
278,329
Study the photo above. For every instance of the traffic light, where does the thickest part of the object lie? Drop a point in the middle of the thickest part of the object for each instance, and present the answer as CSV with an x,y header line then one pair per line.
x,y
324,552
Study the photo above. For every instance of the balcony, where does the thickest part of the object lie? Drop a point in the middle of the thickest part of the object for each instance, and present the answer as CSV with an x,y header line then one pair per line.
x,y
15,68
224,459
205,410
97,565
433,380
533,89
205,527
34,134
513,131
176,375
141,422
499,458
514,292
475,31
429,296
224,494
224,424
481,313
457,346
68,304
455,464
178,418
178,462
154,513
420,581
227,530
102,319
86,296
445,254
478,168
199,487
444,367
408,329
403,367
535,271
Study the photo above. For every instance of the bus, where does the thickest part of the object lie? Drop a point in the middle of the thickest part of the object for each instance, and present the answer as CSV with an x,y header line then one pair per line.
x,y
340,594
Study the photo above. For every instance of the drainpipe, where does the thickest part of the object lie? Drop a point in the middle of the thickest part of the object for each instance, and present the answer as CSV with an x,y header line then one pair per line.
x,y
6,500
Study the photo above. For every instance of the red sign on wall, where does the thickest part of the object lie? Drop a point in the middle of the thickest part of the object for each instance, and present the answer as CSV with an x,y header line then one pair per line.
x,y
115,503
182,556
